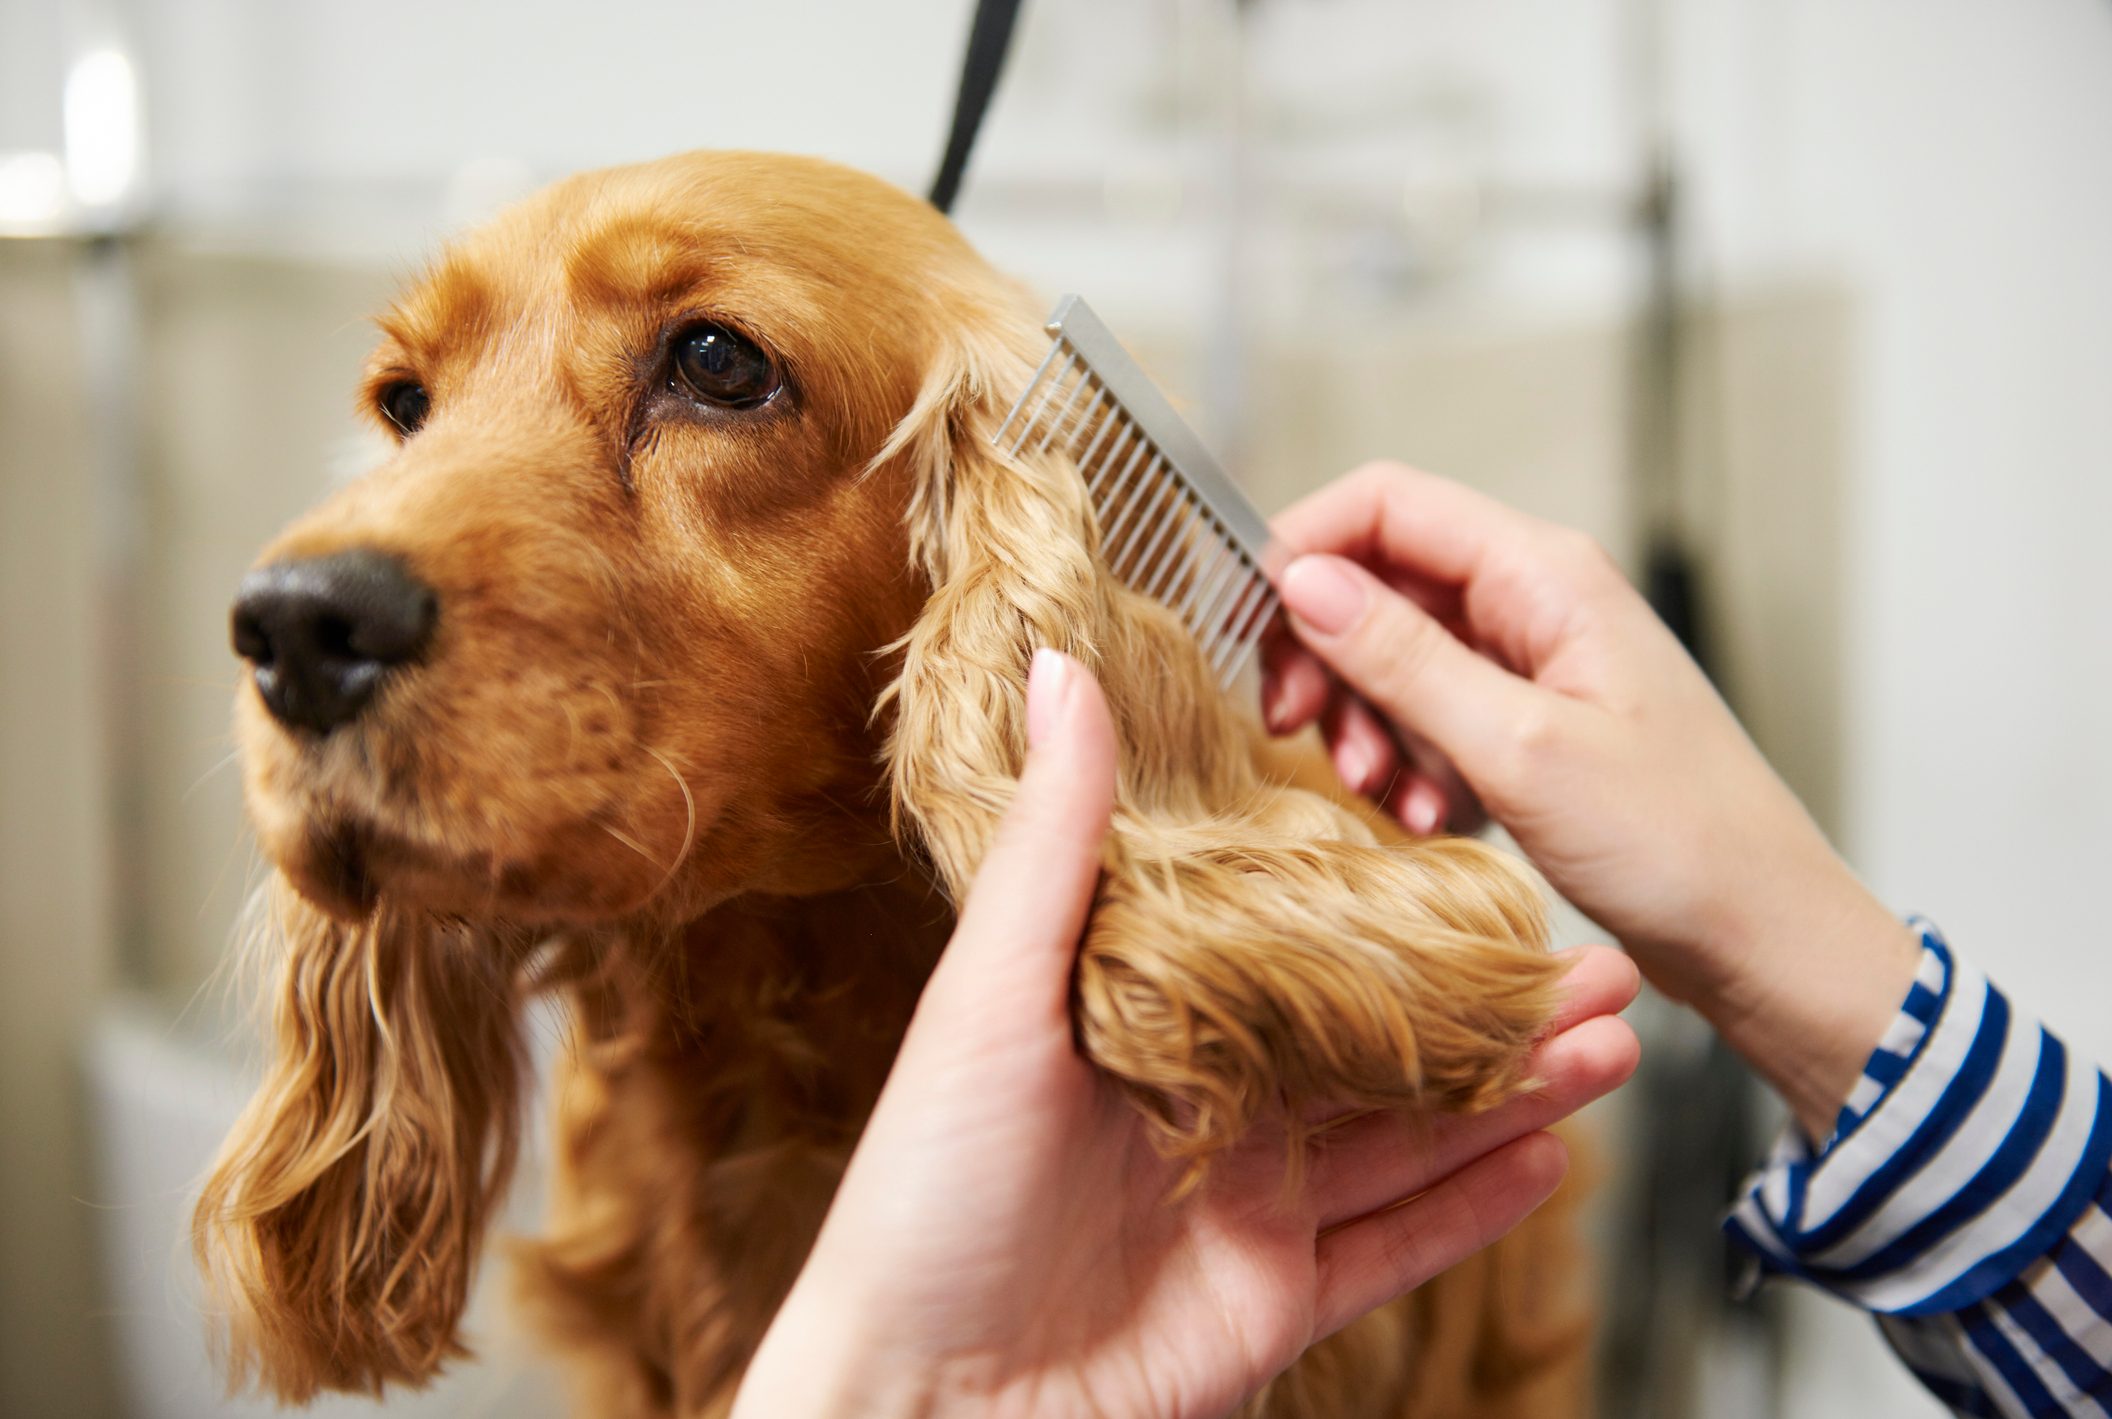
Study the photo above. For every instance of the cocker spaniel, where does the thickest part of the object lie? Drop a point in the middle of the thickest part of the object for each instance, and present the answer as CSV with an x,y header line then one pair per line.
x,y
675,662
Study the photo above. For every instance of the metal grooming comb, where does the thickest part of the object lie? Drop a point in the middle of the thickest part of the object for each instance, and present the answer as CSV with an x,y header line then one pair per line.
x,y
1172,524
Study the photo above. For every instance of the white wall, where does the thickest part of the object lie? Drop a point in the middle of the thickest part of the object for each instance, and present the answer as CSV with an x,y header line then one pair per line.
x,y
1953,162
1972,198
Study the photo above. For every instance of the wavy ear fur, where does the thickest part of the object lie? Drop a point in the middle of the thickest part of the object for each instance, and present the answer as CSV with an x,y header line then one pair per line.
x,y
1253,942
339,1231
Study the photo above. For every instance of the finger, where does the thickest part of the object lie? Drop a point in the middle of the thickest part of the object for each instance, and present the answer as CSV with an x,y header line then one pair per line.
x,y
1600,981
1509,573
1366,1164
1294,684
1444,601
1406,664
1372,1260
1460,810
1573,1070
1420,804
1388,513
1367,759
1464,811
1030,897
1296,687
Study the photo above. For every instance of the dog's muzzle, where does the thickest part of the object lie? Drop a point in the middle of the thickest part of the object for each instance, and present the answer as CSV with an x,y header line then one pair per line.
x,y
321,634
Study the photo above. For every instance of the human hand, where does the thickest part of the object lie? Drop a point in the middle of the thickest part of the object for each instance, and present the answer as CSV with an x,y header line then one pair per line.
x,y
1003,1241
1509,658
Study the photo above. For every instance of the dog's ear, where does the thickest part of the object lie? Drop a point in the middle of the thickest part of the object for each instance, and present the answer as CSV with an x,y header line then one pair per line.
x,y
1004,543
1253,943
338,1233
1009,545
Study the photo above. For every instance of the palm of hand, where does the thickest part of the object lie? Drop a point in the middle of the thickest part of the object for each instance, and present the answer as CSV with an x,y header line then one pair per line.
x,y
1118,1297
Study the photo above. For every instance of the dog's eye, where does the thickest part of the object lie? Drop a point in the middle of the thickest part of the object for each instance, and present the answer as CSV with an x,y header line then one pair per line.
x,y
714,364
405,404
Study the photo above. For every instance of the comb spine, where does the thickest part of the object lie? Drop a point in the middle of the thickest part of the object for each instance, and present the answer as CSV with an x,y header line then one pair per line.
x,y
1077,326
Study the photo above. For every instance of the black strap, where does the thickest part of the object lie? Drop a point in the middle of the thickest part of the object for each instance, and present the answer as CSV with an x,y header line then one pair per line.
x,y
988,39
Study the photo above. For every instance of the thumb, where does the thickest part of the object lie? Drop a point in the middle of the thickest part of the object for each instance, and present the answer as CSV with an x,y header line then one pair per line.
x,y
1028,903
1398,657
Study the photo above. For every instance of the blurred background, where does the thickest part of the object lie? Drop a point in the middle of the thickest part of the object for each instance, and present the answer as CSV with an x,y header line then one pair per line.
x,y
1804,307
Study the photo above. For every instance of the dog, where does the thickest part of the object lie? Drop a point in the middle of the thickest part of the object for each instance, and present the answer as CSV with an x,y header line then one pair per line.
x,y
674,662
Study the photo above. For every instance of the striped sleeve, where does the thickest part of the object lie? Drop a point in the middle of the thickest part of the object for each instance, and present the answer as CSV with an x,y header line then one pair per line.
x,y
1963,1199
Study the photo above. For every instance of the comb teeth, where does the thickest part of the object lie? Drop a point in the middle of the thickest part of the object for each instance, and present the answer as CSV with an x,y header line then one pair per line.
x,y
1172,525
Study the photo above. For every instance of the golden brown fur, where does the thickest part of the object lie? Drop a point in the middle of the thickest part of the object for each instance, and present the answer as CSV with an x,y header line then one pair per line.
x,y
718,717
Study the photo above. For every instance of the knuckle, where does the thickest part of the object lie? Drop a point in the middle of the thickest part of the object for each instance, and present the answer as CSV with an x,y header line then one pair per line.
x,y
1532,745
1400,646
1405,1254
1574,547
1375,478
1584,558
1378,470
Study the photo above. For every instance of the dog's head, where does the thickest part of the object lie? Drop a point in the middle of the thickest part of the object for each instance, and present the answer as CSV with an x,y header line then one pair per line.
x,y
602,641
604,634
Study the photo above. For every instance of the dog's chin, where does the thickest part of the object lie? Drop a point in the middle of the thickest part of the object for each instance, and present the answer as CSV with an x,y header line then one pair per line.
x,y
332,870
345,868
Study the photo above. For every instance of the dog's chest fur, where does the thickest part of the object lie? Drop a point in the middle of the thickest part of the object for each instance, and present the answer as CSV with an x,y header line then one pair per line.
x,y
712,1097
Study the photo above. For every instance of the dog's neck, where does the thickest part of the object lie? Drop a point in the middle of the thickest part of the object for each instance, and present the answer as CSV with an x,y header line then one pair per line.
x,y
723,1075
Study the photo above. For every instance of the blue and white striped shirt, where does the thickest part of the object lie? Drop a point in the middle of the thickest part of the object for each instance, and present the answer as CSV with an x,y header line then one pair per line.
x,y
1963,1198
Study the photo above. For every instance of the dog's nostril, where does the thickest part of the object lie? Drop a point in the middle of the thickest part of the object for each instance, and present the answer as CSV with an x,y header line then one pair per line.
x,y
333,637
251,643
320,634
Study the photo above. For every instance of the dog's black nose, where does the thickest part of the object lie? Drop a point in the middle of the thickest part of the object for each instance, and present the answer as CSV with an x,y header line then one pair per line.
x,y
321,634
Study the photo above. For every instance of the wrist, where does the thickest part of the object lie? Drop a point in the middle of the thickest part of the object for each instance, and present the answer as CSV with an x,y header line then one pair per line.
x,y
822,1358
1815,982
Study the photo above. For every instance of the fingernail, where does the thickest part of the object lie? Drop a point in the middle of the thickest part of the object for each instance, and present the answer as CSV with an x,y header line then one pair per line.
x,y
1354,763
1423,812
1048,685
1321,592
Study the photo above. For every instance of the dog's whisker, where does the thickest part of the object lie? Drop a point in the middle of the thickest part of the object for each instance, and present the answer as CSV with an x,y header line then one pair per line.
x,y
227,860
233,756
630,842
689,828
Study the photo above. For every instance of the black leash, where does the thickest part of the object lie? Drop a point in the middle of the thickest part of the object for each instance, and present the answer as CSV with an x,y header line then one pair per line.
x,y
988,39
